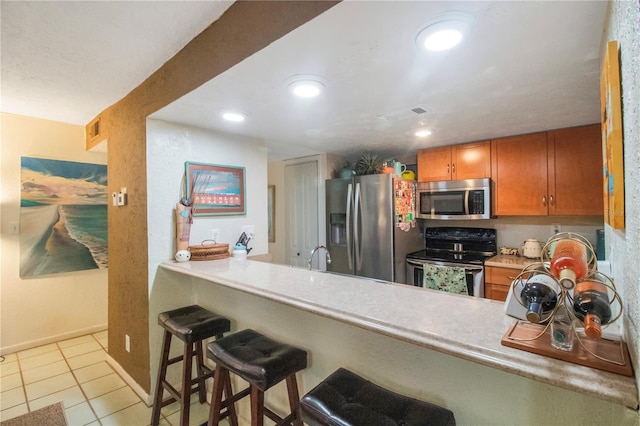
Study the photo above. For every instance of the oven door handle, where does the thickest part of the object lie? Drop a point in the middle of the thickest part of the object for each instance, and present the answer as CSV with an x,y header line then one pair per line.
x,y
414,262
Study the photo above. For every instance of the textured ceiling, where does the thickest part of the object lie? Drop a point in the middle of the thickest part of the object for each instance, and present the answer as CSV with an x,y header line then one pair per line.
x,y
526,66
69,60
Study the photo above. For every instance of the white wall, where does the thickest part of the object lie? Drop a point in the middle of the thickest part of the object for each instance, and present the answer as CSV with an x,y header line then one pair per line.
x,y
169,146
623,246
39,310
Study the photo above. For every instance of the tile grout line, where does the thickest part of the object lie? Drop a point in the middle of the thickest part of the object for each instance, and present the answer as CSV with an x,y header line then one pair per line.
x,y
99,419
24,385
162,416
78,382
59,348
79,387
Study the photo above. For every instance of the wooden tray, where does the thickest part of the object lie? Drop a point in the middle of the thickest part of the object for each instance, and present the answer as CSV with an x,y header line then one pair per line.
x,y
211,251
612,350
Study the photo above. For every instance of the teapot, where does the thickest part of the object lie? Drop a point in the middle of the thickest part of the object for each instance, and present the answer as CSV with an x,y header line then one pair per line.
x,y
409,174
532,248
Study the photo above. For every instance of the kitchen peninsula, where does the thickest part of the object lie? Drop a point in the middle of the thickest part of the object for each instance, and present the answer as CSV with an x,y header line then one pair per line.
x,y
433,346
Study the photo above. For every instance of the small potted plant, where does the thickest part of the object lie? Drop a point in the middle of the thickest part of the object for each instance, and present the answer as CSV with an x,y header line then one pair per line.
x,y
368,164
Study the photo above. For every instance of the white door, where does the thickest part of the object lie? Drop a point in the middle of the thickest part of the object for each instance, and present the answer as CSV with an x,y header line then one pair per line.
x,y
301,217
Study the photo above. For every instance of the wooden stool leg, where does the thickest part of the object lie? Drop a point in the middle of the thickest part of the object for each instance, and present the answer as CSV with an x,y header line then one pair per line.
x,y
185,395
202,389
294,399
257,406
216,395
162,373
231,408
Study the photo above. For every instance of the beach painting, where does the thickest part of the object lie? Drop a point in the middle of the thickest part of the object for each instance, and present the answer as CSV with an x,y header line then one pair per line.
x,y
63,216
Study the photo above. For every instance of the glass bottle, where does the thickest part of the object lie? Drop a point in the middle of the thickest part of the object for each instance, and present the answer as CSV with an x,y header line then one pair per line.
x,y
591,305
569,262
562,330
538,296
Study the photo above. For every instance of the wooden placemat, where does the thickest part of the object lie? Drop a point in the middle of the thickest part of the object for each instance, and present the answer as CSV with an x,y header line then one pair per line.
x,y
615,352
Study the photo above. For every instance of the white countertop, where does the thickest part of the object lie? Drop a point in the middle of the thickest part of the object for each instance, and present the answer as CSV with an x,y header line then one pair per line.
x,y
461,326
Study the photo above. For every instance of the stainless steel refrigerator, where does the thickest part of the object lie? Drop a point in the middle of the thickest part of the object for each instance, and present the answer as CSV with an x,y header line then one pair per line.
x,y
369,227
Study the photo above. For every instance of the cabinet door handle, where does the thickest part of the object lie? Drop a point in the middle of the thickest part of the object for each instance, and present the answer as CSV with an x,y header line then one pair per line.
x,y
544,200
453,168
448,169
551,200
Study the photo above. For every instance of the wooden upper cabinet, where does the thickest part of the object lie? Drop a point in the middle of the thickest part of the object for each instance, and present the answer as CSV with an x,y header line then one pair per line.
x,y
519,172
466,161
434,164
471,161
575,171
555,173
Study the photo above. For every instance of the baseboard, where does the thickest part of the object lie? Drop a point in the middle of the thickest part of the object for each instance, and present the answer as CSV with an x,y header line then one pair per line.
x,y
146,398
52,339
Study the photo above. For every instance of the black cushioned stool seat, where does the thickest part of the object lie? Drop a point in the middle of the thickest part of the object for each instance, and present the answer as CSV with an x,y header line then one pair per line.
x,y
191,324
346,399
262,362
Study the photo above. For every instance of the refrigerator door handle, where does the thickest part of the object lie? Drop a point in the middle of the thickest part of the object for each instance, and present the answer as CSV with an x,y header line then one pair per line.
x,y
356,222
349,243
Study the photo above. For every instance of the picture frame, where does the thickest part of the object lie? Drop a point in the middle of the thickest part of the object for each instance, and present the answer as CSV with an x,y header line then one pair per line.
x,y
271,213
215,189
612,140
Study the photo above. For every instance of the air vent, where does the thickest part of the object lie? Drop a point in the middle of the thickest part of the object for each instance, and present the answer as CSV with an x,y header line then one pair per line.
x,y
402,114
94,129
95,136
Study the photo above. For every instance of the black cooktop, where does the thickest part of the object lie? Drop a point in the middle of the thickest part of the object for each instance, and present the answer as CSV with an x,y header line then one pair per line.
x,y
457,245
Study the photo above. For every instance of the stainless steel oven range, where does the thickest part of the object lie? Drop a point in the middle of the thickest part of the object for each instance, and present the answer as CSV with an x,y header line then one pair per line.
x,y
466,248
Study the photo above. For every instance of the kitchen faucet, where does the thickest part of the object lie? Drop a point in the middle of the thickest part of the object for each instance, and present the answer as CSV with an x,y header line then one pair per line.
x,y
315,249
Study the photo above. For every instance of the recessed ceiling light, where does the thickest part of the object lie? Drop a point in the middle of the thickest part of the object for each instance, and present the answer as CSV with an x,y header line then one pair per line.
x,y
443,39
234,116
444,31
423,133
305,86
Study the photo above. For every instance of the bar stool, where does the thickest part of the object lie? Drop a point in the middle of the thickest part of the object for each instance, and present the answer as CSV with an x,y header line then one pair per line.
x,y
346,399
191,324
263,363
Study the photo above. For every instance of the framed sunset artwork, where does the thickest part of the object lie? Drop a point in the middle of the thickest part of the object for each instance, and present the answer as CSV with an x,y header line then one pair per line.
x,y
215,189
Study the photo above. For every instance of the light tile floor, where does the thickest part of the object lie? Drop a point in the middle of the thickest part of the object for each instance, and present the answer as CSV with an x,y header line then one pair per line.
x,y
75,372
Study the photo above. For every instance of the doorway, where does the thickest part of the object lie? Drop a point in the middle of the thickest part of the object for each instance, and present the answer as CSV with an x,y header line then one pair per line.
x,y
302,212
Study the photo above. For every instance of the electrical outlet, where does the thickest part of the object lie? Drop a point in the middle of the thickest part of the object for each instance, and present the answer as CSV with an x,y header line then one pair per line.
x,y
556,228
249,230
215,234
127,343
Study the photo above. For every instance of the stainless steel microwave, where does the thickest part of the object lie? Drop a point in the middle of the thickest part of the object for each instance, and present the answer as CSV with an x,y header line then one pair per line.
x,y
454,199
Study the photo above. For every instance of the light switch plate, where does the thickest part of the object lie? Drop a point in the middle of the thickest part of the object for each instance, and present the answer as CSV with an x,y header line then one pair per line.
x,y
14,228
